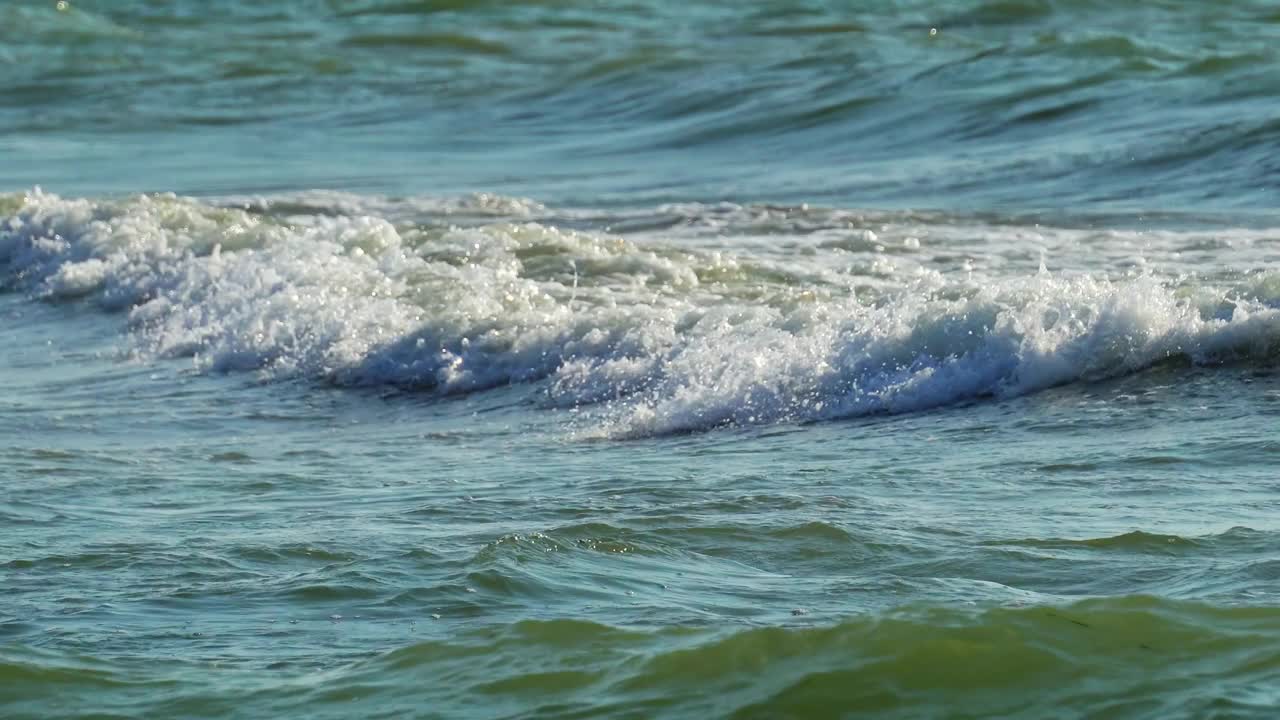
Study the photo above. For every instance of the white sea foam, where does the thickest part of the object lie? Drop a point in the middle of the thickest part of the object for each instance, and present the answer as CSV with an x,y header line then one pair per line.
x,y
643,335
919,352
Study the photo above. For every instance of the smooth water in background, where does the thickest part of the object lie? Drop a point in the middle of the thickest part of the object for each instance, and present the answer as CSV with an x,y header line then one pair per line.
x,y
792,359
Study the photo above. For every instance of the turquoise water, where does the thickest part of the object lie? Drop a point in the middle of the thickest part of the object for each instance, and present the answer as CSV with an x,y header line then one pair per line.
x,y
567,359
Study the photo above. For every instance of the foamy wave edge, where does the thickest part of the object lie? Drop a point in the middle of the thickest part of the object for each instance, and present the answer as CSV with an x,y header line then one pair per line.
x,y
639,339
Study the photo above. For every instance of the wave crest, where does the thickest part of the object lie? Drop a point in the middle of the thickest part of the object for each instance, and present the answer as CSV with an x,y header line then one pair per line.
x,y
653,333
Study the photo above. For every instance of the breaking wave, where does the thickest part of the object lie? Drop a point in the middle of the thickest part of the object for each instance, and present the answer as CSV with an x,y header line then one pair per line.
x,y
804,315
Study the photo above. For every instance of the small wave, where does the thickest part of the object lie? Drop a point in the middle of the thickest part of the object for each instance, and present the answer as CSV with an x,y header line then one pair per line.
x,y
1138,541
658,333
910,664
1170,659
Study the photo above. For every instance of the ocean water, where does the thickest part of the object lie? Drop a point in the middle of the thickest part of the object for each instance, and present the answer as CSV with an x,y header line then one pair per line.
x,y
569,359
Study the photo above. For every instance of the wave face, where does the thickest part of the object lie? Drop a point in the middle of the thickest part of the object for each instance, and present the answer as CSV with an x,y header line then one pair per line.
x,y
1135,655
1015,103
677,318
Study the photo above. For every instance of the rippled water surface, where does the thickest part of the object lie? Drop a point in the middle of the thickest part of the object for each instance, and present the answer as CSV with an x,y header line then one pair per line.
x,y
564,359
1025,103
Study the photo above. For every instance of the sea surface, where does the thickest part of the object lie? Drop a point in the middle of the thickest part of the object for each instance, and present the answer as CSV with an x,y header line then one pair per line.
x,y
616,359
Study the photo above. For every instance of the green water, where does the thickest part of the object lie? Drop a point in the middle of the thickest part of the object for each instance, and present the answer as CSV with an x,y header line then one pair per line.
x,y
430,359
